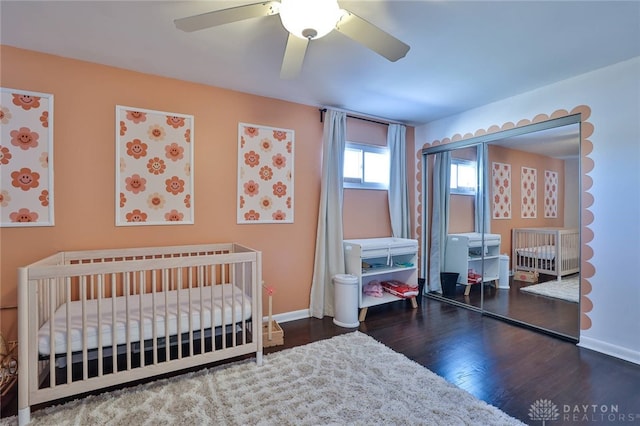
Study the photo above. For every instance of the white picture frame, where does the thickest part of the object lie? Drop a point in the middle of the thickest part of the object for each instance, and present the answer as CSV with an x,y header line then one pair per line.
x,y
154,167
265,174
26,158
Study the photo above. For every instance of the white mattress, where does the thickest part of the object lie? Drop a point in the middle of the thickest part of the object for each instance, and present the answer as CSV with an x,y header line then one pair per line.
x,y
539,252
237,307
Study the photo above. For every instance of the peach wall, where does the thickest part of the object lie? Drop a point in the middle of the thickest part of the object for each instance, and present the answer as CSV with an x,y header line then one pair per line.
x,y
366,211
365,131
461,213
85,96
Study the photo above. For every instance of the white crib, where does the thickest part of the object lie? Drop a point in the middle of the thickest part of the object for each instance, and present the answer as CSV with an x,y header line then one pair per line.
x,y
552,251
94,319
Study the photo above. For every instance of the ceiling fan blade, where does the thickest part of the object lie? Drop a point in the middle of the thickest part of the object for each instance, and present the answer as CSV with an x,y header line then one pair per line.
x,y
293,57
226,16
371,36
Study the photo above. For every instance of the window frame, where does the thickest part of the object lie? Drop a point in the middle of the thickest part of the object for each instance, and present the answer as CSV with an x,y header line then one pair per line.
x,y
359,183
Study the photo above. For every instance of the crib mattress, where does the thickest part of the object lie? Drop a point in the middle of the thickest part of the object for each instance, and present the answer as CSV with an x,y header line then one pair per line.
x,y
230,305
540,252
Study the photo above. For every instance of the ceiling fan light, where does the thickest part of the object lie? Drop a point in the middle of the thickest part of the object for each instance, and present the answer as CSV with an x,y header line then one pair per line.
x,y
309,19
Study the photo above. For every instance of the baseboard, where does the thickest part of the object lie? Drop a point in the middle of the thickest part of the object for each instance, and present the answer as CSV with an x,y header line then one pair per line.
x,y
609,349
291,316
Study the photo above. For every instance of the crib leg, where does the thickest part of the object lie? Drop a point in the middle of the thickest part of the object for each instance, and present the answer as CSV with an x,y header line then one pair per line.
x,y
24,416
259,358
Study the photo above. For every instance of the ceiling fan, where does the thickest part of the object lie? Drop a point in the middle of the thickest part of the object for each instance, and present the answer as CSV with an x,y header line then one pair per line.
x,y
305,20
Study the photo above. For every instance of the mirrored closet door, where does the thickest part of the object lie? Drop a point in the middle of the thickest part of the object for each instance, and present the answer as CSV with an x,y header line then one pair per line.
x,y
501,225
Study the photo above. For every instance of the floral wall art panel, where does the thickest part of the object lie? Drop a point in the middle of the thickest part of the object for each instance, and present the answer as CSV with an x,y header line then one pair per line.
x,y
265,174
26,158
501,177
528,190
154,176
550,194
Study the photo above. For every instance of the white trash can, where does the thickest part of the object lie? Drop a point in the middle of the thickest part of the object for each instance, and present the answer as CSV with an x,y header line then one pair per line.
x,y
345,300
503,281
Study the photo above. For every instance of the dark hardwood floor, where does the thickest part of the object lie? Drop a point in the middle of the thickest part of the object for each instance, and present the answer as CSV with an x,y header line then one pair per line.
x,y
507,366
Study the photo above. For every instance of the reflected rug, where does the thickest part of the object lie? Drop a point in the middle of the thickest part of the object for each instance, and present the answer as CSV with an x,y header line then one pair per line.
x,y
350,379
567,289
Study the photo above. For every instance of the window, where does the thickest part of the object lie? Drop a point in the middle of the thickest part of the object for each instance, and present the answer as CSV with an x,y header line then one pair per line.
x,y
366,166
463,177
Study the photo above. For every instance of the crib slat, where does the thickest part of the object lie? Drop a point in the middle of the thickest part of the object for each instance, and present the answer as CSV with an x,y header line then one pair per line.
x,y
114,343
243,292
165,289
83,300
127,331
52,334
68,325
141,292
189,281
178,278
213,306
99,325
232,306
223,305
201,285
154,327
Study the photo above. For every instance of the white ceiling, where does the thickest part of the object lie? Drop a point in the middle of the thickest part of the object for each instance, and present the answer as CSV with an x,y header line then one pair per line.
x,y
463,54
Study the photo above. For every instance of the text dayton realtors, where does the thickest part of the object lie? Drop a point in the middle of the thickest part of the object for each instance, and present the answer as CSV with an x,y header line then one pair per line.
x,y
596,413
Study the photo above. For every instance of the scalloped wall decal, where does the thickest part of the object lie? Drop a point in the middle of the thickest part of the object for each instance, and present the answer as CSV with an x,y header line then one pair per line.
x,y
587,270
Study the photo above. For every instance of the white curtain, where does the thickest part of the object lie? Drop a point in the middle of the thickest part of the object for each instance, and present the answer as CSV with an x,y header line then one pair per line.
x,y
482,200
439,218
329,258
398,186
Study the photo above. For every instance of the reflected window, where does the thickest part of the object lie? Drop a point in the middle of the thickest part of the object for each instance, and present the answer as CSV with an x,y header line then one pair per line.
x,y
463,177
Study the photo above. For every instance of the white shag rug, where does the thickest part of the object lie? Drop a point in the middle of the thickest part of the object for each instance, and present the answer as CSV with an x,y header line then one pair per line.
x,y
349,379
567,289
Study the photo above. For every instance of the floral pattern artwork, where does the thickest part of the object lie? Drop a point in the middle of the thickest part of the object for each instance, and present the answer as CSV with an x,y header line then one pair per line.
x,y
501,199
26,158
529,186
265,174
154,152
550,194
